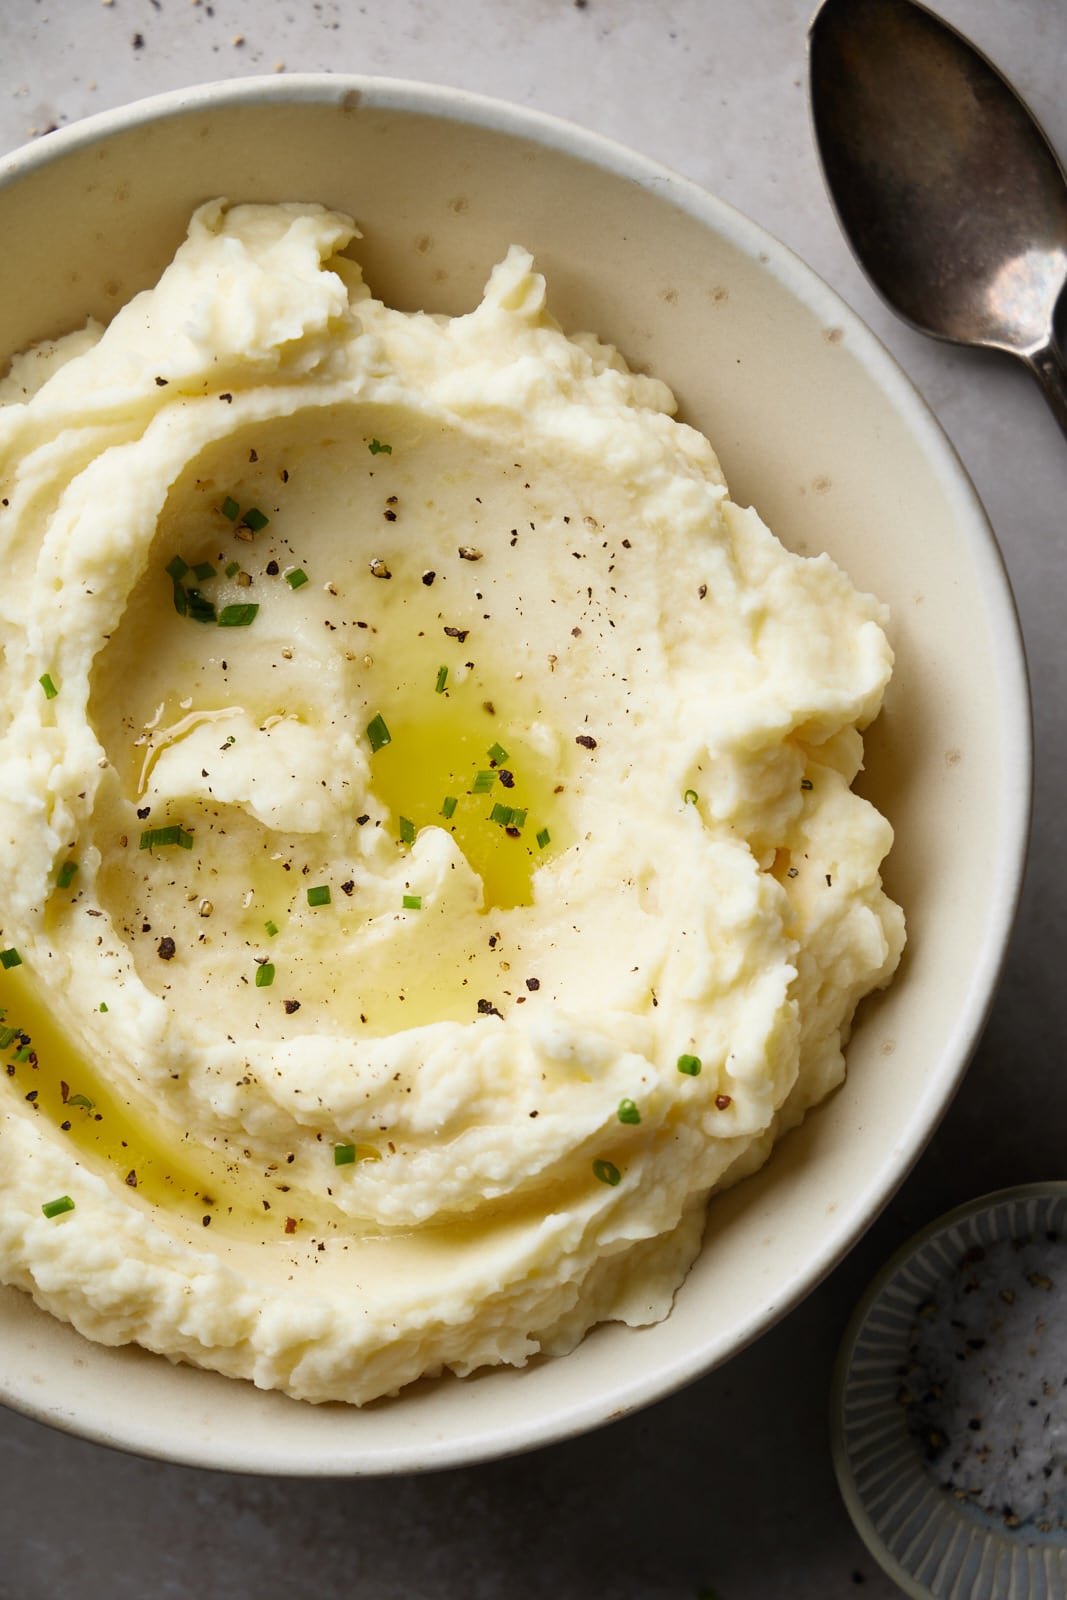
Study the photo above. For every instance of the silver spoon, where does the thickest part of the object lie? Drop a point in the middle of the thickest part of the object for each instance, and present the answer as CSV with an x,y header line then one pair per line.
x,y
947,190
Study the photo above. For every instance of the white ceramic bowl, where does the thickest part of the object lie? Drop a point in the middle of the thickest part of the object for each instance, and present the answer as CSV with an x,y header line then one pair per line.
x,y
819,430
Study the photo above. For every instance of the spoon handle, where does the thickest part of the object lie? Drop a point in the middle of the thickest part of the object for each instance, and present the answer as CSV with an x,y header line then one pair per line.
x,y
1050,370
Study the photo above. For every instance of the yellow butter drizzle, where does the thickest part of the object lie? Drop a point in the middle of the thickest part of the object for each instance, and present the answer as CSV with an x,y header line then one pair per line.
x,y
58,1083
436,754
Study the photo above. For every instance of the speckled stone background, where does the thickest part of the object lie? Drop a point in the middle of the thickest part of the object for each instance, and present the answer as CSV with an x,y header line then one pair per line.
x,y
727,1487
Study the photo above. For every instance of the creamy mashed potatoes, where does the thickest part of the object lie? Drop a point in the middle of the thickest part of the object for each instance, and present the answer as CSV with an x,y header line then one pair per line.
x,y
428,864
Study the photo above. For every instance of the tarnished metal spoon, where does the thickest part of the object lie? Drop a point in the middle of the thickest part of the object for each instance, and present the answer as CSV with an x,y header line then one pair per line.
x,y
947,190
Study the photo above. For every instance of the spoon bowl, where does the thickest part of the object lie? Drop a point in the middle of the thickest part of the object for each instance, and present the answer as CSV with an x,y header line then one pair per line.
x,y
947,189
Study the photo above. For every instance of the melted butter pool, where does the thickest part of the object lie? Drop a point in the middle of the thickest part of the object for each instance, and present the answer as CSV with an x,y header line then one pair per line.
x,y
457,764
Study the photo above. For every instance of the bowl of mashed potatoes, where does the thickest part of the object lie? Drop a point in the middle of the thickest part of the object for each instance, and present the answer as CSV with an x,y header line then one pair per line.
x,y
515,762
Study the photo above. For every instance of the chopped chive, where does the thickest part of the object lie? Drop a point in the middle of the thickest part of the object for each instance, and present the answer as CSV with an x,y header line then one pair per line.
x,y
319,895
264,975
501,814
497,753
238,616
483,782
8,1037
232,568
10,958
255,520
80,1100
230,508
176,568
378,733
297,578
412,902
407,831
344,1155
66,874
607,1172
24,1053
103,1005
202,570
200,608
449,807
628,1112
174,833
181,599
56,1208
377,448
442,679
50,690
271,927
690,797
518,819
690,1065
543,838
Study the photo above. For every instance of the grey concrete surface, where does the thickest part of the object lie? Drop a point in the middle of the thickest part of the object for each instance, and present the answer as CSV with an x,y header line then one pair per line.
x,y
727,1487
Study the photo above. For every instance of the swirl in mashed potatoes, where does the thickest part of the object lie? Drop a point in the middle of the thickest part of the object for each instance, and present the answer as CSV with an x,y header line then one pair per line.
x,y
428,862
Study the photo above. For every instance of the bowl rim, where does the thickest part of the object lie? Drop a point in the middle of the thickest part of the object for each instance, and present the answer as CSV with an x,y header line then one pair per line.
x,y
1014,795
966,1211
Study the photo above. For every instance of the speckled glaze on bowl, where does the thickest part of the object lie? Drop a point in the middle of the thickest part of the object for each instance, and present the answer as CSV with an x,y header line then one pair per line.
x,y
934,1545
816,427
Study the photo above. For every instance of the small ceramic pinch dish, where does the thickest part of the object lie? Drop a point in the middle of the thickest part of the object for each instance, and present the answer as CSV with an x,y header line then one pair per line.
x,y
949,1409
820,432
